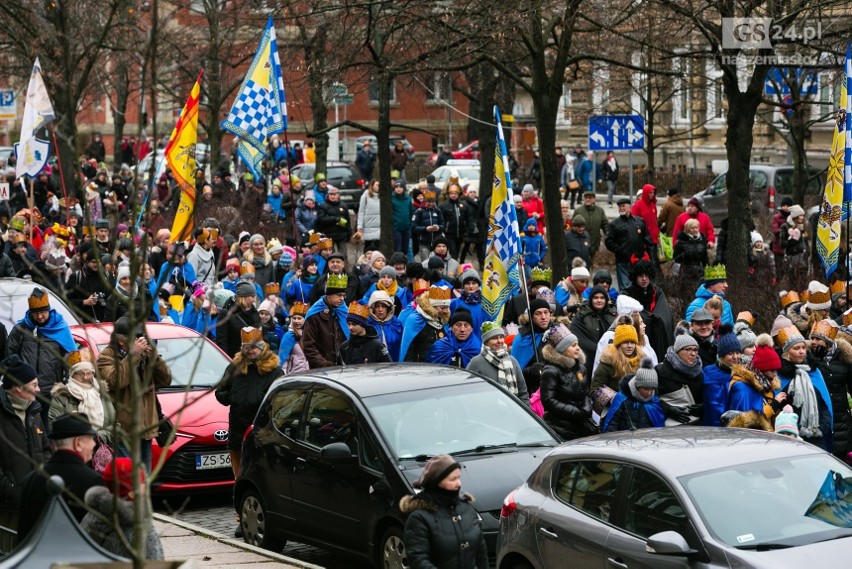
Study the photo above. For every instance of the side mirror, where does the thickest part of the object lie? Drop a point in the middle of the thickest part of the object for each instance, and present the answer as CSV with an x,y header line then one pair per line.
x,y
336,453
668,543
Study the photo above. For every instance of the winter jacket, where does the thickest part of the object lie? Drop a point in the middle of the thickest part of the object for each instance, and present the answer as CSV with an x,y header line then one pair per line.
x,y
785,375
364,161
455,216
443,532
84,283
669,213
398,159
403,211
425,217
104,505
231,320
717,378
44,354
318,290
477,225
333,221
627,413
578,245
478,364
705,226
792,245
204,264
646,208
779,218
306,218
609,173
746,393
24,445
365,349
114,369
690,251
627,238
370,217
62,403
322,337
565,394
6,268
671,379
836,369
242,389
589,326
584,173
702,295
596,223
532,206
533,248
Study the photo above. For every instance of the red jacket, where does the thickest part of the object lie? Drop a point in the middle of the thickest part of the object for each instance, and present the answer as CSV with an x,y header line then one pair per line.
x,y
705,226
535,205
646,208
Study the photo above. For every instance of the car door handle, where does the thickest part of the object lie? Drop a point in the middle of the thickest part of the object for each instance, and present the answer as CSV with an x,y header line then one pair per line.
x,y
301,462
617,562
548,533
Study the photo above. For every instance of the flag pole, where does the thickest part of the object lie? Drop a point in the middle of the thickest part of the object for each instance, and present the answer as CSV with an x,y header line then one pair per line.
x,y
61,176
526,292
31,201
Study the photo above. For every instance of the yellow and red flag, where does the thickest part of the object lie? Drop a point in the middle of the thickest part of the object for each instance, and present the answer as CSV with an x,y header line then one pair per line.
x,y
180,157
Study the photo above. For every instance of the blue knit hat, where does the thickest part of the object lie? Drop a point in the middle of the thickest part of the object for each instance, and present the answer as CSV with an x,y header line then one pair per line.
x,y
728,342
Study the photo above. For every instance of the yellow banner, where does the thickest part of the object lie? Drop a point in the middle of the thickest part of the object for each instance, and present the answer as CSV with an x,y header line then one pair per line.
x,y
180,156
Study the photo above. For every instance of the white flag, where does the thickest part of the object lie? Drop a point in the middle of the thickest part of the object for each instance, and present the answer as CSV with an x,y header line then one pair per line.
x,y
31,153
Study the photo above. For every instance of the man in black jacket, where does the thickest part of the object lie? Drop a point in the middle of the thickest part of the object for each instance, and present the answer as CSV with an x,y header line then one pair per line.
x,y
237,313
429,224
363,345
333,220
455,217
628,239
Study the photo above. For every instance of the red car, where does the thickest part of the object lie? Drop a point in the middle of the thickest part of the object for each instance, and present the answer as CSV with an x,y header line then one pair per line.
x,y
198,459
470,151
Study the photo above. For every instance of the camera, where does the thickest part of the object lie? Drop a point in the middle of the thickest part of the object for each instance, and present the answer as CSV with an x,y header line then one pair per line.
x,y
101,298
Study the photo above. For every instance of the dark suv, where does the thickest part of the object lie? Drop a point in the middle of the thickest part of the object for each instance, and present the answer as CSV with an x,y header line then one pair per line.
x,y
340,175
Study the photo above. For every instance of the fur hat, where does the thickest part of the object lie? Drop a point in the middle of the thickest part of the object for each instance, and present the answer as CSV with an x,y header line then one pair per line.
x,y
559,337
787,422
684,341
625,333
765,357
646,375
728,342
491,330
437,468
642,267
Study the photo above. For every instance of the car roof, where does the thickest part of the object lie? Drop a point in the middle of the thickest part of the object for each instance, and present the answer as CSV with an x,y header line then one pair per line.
x,y
682,451
380,379
13,301
99,334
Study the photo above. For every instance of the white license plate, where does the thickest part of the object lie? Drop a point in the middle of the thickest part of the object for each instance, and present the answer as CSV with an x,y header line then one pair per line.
x,y
209,461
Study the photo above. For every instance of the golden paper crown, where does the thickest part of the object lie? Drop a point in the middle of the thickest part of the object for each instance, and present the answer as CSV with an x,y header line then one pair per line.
x,y
251,335
542,275
38,301
299,309
60,231
420,286
325,243
825,328
789,298
246,268
804,296
336,282
785,334
746,316
272,243
89,230
208,235
429,195
847,317
715,273
313,238
358,309
440,293
271,289
73,358
837,287
819,297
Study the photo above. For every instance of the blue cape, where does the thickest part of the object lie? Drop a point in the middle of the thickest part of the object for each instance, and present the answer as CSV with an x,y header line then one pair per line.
x,y
523,349
197,320
443,351
653,408
702,295
716,382
55,329
390,334
412,326
408,310
320,306
477,314
286,346
819,385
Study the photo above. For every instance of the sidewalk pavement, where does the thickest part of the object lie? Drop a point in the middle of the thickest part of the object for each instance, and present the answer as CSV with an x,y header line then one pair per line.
x,y
183,541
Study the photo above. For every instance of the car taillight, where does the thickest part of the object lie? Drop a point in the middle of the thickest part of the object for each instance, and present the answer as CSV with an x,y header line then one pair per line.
x,y
771,203
509,505
247,433
360,183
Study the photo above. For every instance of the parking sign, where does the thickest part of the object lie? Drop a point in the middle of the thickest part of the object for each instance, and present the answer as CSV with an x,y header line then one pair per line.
x,y
8,105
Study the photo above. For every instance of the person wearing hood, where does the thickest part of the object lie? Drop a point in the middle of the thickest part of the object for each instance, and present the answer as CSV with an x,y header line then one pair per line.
x,y
443,529
715,284
427,323
794,237
290,354
645,208
603,278
202,257
717,377
459,346
681,382
755,386
495,362
363,345
591,321
532,245
833,357
805,387
636,405
629,241
705,226
387,325
656,313
564,387
670,211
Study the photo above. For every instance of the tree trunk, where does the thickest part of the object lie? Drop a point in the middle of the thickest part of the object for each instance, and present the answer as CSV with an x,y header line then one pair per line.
x,y
384,82
315,62
121,79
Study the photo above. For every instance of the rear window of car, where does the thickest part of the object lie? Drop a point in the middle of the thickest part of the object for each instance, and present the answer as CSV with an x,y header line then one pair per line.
x,y
343,173
784,182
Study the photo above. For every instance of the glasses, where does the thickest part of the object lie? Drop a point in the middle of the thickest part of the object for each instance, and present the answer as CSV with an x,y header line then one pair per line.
x,y
690,350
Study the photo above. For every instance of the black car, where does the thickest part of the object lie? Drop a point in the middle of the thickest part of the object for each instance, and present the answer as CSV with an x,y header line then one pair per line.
x,y
341,175
332,451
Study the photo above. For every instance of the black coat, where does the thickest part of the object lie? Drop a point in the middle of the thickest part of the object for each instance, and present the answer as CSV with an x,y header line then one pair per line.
x,y
578,245
23,443
231,320
670,379
364,349
690,252
425,217
78,478
44,354
81,285
333,221
565,395
589,326
443,533
627,237
838,378
455,216
477,225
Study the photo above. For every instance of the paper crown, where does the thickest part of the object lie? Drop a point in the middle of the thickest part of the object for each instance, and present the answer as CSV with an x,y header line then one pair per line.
x,y
837,287
272,243
420,286
429,196
73,358
17,223
314,238
208,235
819,297
542,275
88,230
325,243
440,295
232,262
746,316
847,317
786,334
271,289
336,282
825,328
360,310
62,231
251,335
246,268
299,309
788,298
38,300
715,273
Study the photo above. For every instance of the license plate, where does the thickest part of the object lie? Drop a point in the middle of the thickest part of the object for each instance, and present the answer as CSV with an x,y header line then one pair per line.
x,y
209,461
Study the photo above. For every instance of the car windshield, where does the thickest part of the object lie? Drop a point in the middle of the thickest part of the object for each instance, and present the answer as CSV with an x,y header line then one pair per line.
x,y
454,419
777,503
194,362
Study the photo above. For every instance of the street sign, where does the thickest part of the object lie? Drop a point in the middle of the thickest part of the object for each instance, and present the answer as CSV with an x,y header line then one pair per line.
x,y
339,89
616,132
4,192
8,105
346,99
779,80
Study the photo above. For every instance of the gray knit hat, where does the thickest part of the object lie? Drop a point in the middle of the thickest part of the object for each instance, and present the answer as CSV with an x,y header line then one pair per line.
x,y
469,275
747,338
436,469
559,337
646,375
388,271
684,341
490,330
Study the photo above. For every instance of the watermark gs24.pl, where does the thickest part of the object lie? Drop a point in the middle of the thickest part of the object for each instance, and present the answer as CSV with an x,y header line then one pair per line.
x,y
760,33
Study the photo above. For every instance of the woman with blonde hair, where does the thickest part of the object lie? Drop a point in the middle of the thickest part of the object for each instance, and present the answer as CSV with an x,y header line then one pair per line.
x,y
620,358
260,258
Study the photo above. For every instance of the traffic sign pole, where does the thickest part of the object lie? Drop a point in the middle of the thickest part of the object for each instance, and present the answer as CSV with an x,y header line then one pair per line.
x,y
630,168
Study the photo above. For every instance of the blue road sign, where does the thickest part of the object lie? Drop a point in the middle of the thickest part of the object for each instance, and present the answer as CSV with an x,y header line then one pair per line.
x,y
8,105
779,81
616,132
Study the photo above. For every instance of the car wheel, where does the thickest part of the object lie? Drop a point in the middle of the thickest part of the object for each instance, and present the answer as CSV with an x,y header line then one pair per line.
x,y
393,555
255,523
521,564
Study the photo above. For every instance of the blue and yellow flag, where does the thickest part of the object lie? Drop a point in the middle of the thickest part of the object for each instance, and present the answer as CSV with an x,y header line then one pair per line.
x,y
260,108
835,199
500,274
180,156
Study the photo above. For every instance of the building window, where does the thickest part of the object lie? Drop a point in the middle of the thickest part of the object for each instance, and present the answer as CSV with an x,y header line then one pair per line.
x,y
600,90
563,115
681,102
714,93
638,84
439,88
374,92
829,91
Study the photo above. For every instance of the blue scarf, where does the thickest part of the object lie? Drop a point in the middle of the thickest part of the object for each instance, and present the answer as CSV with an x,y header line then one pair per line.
x,y
444,350
523,348
286,346
55,329
321,306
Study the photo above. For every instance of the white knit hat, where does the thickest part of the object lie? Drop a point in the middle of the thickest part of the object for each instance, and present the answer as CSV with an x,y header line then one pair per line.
x,y
580,273
625,305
